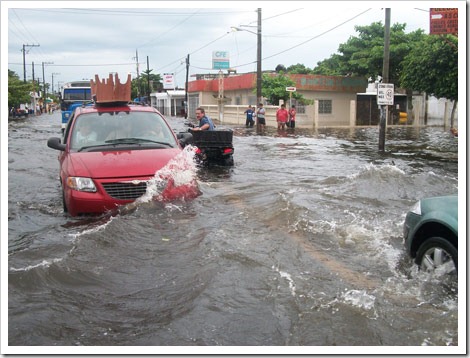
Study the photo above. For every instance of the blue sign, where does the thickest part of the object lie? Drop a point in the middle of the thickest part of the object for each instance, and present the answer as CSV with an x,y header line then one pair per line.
x,y
220,64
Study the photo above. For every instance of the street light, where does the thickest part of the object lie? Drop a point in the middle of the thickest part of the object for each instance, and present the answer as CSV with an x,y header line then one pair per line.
x,y
258,56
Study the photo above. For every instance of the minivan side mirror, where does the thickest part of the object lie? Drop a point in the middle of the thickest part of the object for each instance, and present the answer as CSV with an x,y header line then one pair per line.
x,y
55,143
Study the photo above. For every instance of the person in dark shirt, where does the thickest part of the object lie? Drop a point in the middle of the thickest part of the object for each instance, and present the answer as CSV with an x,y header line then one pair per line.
x,y
249,116
205,123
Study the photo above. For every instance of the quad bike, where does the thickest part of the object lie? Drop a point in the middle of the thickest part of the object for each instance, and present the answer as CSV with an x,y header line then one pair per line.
x,y
213,147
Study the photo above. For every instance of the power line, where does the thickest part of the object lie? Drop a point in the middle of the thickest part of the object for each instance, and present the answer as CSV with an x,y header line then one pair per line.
x,y
192,53
315,37
111,12
169,30
21,22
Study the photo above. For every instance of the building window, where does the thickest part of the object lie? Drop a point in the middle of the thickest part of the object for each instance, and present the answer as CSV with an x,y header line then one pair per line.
x,y
299,107
193,103
325,106
252,100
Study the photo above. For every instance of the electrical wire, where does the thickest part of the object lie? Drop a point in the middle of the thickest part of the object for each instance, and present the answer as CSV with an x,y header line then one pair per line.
x,y
169,30
317,36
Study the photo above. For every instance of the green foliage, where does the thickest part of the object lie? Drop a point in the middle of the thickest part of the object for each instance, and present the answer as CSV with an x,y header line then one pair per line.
x,y
299,69
274,88
362,55
432,67
18,91
139,86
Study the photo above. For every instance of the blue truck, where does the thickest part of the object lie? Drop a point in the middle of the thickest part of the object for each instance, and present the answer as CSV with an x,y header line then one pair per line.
x,y
73,94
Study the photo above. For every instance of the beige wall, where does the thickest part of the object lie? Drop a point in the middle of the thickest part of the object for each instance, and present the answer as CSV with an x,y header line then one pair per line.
x,y
233,114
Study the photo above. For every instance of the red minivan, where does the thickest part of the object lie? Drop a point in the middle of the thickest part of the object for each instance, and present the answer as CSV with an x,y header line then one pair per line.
x,y
110,153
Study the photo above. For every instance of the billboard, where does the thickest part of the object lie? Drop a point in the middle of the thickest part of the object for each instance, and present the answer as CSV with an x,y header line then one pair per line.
x,y
168,81
220,60
443,21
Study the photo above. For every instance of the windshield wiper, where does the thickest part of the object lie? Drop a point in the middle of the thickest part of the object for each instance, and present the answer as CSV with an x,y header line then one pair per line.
x,y
122,140
90,146
135,141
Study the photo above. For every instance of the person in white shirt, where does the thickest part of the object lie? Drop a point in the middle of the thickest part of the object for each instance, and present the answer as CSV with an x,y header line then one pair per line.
x,y
85,134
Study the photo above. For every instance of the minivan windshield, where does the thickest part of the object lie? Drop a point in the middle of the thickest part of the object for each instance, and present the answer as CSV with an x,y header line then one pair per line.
x,y
113,128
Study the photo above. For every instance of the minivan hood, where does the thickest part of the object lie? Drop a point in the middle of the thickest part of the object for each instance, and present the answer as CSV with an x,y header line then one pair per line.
x,y
119,164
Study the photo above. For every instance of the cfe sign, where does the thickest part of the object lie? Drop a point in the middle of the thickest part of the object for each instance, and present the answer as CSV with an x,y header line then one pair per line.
x,y
385,94
220,60
443,21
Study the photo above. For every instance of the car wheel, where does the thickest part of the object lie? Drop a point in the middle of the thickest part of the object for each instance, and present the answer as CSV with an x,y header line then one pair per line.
x,y
438,255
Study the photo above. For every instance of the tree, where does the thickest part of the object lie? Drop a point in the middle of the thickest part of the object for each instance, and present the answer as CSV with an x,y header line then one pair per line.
x,y
363,55
280,68
432,67
18,91
139,86
274,88
299,69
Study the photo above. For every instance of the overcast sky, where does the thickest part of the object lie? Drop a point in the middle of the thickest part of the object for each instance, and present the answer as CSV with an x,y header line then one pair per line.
x,y
90,37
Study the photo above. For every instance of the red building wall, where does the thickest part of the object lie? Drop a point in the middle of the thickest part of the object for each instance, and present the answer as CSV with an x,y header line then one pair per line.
x,y
302,82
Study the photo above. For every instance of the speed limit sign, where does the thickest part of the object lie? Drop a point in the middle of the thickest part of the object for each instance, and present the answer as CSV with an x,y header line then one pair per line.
x,y
385,94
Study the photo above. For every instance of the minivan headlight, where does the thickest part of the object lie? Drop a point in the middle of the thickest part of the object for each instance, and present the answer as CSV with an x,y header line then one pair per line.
x,y
81,184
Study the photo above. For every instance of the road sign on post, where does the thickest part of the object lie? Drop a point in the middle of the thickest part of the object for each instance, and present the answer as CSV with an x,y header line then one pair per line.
x,y
290,90
443,21
385,94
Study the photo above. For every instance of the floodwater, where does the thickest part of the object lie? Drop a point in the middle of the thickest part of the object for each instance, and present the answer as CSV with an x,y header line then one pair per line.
x,y
298,244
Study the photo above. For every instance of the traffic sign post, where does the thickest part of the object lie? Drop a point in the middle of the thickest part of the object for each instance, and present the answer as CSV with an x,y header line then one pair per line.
x,y
290,90
385,94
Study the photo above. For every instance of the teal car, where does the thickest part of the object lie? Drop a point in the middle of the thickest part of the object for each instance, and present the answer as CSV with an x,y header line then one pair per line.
x,y
431,234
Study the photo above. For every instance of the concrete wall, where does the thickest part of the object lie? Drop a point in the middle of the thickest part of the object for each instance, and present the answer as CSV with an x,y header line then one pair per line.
x,y
233,114
344,110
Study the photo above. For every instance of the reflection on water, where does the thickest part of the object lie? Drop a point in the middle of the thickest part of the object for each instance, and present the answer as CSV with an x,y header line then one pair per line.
x,y
298,244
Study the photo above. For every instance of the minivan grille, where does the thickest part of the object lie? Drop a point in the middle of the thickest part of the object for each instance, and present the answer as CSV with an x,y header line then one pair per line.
x,y
125,190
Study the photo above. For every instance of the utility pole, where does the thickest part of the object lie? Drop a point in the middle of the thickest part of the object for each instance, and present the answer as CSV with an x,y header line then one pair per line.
x,y
24,60
53,73
258,64
138,78
32,67
148,81
186,89
44,78
386,62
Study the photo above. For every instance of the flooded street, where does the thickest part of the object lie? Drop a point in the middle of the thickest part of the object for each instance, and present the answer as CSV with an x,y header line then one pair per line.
x,y
298,244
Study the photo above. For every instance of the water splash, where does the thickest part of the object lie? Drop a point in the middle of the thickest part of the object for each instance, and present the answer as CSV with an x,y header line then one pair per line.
x,y
384,172
175,181
288,277
359,298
